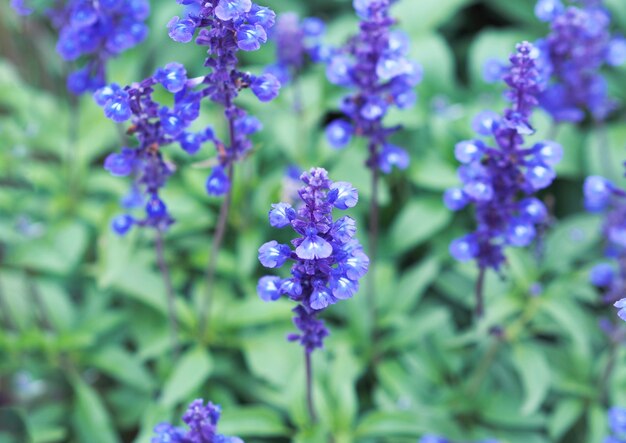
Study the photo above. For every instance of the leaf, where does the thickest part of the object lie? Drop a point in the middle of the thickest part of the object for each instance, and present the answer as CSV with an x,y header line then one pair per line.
x,y
91,419
190,372
123,366
418,221
532,366
565,415
257,421
421,16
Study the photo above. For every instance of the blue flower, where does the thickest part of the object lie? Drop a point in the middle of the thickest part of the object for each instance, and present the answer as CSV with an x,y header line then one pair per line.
x,y
232,9
181,31
173,77
274,255
217,182
328,260
265,87
251,37
122,224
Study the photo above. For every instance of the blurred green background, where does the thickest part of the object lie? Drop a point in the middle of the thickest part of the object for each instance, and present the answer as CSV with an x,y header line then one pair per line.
x,y
85,353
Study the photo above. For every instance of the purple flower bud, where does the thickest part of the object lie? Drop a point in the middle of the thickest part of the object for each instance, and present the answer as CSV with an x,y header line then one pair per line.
x,y
342,287
122,224
281,215
616,53
273,254
464,248
533,210
339,133
548,10
117,107
173,77
455,199
321,298
181,30
344,229
520,233
540,176
268,288
478,190
119,165
155,208
339,71
251,37
260,15
232,9
597,192
485,122
602,275
265,87
218,182
374,108
469,151
347,195
391,156
548,152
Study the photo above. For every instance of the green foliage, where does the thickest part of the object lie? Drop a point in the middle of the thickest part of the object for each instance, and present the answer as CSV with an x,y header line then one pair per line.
x,y
85,348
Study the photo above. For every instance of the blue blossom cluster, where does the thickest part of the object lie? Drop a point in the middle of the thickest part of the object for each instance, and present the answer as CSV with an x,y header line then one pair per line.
x,y
374,64
328,260
500,180
155,125
225,27
295,41
201,420
94,31
578,46
617,425
601,195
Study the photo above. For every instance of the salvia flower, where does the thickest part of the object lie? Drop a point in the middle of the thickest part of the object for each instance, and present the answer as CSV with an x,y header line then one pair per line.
x,y
201,421
375,66
579,45
499,180
431,438
226,27
93,32
296,41
328,260
154,126
601,195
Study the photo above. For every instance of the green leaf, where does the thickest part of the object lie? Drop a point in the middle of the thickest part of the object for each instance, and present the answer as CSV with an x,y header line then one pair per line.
x,y
91,419
123,366
257,421
421,16
532,366
565,415
190,372
418,221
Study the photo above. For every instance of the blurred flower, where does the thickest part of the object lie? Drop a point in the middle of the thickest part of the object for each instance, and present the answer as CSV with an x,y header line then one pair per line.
x,y
495,178
374,64
601,195
202,422
328,259
94,31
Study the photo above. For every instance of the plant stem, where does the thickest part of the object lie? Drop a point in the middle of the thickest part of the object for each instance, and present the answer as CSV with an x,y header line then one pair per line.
x,y
483,369
4,308
373,243
309,386
169,290
218,239
480,297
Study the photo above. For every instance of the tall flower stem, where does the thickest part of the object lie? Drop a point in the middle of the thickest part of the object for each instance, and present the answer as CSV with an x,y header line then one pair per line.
x,y
309,386
169,289
218,239
373,245
4,310
480,296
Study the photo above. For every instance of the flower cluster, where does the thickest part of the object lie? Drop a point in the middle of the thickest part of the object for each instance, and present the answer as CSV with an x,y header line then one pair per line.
x,y
603,195
225,27
328,259
374,63
201,420
96,31
154,126
579,44
500,180
295,40
617,424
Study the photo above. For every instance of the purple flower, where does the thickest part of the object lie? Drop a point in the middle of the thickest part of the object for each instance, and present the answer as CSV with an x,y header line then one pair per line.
x,y
201,421
265,87
602,195
374,64
327,261
231,9
496,179
173,77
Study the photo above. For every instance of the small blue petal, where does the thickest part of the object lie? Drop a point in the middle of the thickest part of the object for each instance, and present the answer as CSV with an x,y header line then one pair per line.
x,y
281,215
273,254
268,288
314,247
347,195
